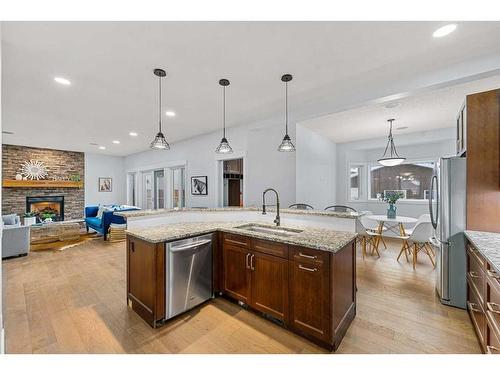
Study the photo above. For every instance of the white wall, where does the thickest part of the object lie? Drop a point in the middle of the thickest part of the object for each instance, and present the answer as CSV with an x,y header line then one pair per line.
x,y
315,169
96,166
429,145
263,165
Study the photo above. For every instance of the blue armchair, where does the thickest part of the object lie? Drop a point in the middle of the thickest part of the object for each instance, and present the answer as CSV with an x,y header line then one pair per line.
x,y
101,224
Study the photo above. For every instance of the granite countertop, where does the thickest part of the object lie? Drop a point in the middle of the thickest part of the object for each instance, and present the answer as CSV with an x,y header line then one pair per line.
x,y
315,238
141,213
488,244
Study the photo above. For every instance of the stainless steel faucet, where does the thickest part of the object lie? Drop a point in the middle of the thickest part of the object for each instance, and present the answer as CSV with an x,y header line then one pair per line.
x,y
277,220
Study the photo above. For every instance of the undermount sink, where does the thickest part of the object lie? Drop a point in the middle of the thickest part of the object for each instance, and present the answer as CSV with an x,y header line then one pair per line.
x,y
277,231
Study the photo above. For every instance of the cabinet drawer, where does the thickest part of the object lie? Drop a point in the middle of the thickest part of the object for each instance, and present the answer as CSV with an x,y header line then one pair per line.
x,y
302,254
472,252
476,313
493,302
236,240
475,274
492,340
493,277
270,248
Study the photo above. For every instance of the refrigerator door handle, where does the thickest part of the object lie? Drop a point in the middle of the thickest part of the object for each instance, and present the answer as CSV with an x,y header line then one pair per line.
x,y
434,220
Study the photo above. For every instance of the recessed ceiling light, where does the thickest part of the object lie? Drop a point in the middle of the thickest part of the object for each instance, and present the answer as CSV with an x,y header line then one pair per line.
x,y
392,105
133,134
62,81
102,148
402,127
170,113
116,142
7,132
445,30
93,144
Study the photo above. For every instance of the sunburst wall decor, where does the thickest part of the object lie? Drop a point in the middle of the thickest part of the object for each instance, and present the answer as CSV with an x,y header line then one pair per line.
x,y
34,170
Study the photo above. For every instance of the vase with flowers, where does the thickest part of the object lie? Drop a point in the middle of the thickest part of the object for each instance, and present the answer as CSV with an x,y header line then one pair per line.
x,y
392,197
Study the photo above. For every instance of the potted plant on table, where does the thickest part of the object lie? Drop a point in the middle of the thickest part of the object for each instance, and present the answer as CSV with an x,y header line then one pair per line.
x,y
391,198
29,218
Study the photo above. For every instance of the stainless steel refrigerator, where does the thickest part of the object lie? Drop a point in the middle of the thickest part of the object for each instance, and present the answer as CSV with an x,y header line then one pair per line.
x,y
447,206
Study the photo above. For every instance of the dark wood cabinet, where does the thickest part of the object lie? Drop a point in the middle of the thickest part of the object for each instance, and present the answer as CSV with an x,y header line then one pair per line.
x,y
311,291
483,300
310,298
146,279
269,285
483,161
236,272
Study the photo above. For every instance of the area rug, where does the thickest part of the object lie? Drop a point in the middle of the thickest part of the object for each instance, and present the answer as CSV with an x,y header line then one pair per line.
x,y
63,245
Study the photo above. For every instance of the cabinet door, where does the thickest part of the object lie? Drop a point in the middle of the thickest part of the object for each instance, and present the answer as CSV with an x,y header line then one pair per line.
x,y
310,299
236,274
146,279
269,285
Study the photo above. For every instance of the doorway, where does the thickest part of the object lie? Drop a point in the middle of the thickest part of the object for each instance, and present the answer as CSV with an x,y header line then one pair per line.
x,y
233,182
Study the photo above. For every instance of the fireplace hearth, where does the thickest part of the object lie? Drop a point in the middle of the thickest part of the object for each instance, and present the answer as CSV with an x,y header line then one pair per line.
x,y
46,207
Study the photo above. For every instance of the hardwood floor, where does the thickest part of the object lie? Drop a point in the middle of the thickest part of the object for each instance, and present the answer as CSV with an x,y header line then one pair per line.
x,y
73,301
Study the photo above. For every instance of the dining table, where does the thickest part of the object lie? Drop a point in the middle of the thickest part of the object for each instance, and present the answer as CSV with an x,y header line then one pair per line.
x,y
395,225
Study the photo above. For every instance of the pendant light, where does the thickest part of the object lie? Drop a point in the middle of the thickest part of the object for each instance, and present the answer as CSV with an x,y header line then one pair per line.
x,y
393,158
286,144
224,147
159,143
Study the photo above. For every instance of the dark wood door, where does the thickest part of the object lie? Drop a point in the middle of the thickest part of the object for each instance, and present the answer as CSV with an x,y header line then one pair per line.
x,y
233,196
146,278
309,299
236,273
269,280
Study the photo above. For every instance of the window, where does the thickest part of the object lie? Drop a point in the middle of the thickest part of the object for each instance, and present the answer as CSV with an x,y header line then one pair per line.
x,y
178,188
354,183
411,179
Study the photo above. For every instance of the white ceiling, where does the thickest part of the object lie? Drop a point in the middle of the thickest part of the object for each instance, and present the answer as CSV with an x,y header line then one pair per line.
x,y
426,111
336,65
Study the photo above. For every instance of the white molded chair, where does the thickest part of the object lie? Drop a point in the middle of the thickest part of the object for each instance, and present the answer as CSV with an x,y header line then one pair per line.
x,y
424,218
417,241
372,225
367,236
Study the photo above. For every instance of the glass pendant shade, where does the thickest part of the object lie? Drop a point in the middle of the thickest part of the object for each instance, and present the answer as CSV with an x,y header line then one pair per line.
x,y
160,143
286,145
223,147
390,157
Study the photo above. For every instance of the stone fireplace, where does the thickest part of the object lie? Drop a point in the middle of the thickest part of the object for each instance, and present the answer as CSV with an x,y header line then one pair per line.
x,y
51,206
60,166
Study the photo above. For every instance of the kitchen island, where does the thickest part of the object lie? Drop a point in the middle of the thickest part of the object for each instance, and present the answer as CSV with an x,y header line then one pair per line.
x,y
303,279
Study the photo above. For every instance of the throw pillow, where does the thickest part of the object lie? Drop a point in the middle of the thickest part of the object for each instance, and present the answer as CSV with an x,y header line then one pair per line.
x,y
11,219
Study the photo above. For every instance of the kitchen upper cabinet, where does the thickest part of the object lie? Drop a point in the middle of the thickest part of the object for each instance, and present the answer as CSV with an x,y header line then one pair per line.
x,y
483,161
236,272
269,280
462,131
146,279
310,298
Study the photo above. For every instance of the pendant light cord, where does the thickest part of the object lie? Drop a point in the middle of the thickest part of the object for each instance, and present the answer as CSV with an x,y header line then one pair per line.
x,y
159,102
286,108
223,111
390,143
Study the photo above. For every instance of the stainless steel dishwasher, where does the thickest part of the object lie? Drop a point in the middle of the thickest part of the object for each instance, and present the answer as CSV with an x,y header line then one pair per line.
x,y
188,274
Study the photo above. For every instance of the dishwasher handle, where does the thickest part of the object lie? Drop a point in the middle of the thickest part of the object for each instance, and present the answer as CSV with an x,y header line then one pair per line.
x,y
193,246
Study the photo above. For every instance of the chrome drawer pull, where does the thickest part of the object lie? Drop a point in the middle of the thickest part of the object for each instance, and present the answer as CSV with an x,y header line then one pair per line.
x,y
493,274
491,348
308,256
307,269
473,307
493,307
473,274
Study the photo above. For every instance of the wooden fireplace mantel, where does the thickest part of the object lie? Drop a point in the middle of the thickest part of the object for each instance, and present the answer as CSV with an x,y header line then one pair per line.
x,y
41,184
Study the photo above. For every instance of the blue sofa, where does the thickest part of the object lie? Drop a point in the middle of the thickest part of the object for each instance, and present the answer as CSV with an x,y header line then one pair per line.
x,y
101,224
